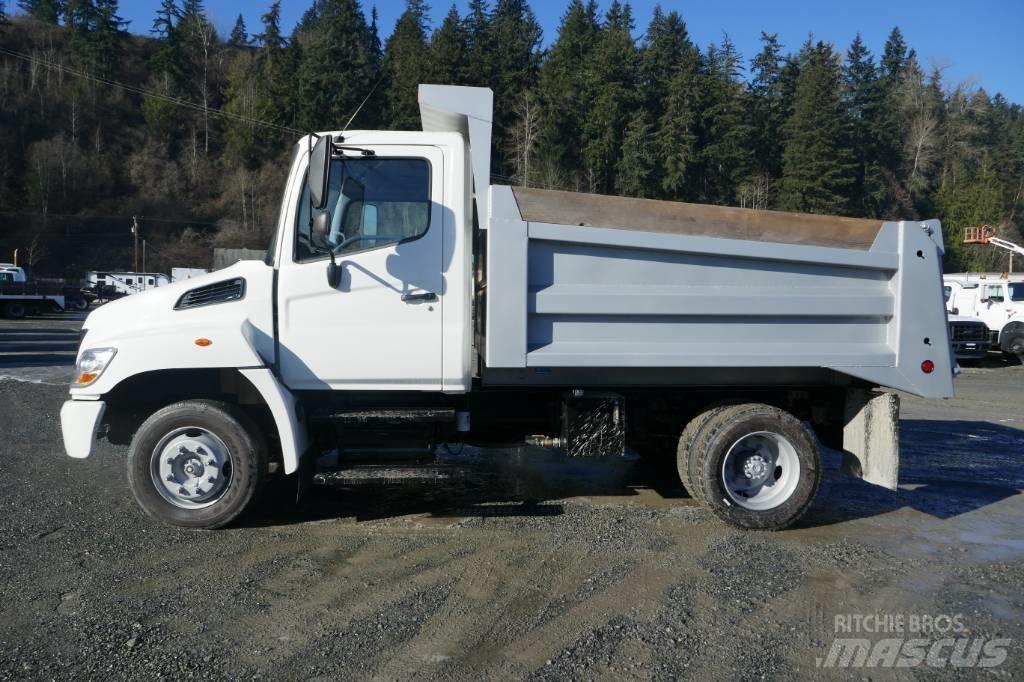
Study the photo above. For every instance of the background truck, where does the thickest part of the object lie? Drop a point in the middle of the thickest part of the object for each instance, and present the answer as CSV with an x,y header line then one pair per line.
x,y
406,302
995,299
20,297
969,336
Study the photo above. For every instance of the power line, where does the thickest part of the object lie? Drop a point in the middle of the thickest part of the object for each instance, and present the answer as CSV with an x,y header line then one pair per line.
x,y
194,106
108,217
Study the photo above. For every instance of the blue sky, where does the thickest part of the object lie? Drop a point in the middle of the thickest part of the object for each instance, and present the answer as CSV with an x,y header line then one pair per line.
x,y
977,40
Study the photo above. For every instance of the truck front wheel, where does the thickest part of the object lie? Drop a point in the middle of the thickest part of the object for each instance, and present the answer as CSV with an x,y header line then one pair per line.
x,y
197,464
753,465
14,310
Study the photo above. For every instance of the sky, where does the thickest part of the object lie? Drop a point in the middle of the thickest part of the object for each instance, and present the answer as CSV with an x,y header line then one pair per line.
x,y
979,41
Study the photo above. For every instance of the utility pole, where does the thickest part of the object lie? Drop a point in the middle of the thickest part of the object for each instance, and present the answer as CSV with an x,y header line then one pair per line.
x,y
143,255
135,234
15,258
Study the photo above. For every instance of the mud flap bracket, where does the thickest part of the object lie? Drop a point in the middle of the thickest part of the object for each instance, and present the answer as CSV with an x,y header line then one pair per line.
x,y
871,436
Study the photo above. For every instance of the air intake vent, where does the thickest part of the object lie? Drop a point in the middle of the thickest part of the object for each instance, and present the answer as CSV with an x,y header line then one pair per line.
x,y
218,292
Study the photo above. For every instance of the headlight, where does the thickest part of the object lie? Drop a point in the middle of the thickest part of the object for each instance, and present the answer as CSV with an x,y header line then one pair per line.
x,y
91,364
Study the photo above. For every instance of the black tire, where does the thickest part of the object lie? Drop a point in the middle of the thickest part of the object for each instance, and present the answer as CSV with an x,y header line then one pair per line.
x,y
244,441
688,472
14,310
1015,345
80,304
707,440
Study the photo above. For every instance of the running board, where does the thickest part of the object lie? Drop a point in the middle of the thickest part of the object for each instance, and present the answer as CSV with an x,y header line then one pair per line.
x,y
399,416
385,474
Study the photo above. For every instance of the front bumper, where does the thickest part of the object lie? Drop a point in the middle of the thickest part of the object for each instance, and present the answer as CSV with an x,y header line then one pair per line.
x,y
79,420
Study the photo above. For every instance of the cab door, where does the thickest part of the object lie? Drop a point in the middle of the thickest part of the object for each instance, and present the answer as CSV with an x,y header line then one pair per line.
x,y
380,327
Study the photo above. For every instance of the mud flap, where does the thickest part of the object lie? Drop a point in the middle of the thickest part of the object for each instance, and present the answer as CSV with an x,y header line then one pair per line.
x,y
871,438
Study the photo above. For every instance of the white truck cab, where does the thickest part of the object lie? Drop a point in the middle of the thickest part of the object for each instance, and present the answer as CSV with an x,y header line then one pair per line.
x,y
993,298
9,272
405,302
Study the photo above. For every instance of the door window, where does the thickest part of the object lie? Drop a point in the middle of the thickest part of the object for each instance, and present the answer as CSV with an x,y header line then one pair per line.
x,y
994,292
372,202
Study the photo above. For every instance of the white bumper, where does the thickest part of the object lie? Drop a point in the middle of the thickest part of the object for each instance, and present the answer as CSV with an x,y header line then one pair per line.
x,y
78,422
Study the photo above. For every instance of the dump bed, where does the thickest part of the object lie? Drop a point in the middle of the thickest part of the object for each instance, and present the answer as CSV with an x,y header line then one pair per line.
x,y
616,284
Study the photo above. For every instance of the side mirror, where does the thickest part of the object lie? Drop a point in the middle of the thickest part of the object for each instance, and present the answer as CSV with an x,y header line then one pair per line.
x,y
333,274
955,311
319,172
321,226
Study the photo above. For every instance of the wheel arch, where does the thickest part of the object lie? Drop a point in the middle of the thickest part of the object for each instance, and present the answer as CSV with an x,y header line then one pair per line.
x,y
256,391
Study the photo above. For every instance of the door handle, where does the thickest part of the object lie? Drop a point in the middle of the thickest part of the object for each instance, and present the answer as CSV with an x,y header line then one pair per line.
x,y
427,296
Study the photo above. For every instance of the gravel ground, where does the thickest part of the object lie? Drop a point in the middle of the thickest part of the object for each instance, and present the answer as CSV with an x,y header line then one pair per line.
x,y
547,571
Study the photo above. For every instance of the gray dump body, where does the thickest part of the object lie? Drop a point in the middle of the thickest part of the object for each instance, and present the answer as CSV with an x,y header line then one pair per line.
x,y
623,287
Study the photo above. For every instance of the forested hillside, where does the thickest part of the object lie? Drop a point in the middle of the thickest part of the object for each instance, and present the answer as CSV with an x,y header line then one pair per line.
x,y
189,130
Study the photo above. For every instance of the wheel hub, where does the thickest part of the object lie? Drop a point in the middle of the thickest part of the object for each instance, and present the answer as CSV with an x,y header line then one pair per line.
x,y
755,467
761,470
191,468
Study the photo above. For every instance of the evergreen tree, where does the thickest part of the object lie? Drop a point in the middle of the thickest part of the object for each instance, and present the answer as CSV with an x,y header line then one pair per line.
x,y
895,55
887,124
726,134
97,33
863,102
766,109
239,35
666,46
3,12
47,11
337,43
479,58
677,133
614,91
448,49
405,67
566,90
270,38
818,168
635,172
513,40
166,19
167,62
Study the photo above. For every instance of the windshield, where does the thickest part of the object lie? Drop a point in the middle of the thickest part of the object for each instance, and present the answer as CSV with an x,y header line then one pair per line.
x,y
1016,291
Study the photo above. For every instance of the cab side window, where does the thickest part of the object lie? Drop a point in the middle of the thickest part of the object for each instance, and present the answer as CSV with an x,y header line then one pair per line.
x,y
372,202
994,292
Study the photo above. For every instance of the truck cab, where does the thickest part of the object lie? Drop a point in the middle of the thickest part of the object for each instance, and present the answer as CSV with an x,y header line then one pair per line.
x,y
11,273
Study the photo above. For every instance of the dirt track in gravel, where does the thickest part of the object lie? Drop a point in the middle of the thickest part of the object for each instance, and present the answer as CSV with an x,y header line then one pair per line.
x,y
546,570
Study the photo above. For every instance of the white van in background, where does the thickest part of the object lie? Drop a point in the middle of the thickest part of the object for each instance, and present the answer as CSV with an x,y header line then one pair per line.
x,y
995,299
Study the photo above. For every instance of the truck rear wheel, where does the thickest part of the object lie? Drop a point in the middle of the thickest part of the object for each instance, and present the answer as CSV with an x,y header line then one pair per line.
x,y
753,465
197,464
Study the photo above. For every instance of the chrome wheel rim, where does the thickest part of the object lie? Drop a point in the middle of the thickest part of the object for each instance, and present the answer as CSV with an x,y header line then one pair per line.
x,y
191,467
761,471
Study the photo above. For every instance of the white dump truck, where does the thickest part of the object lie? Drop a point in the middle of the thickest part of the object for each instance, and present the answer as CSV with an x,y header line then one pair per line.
x,y
406,302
